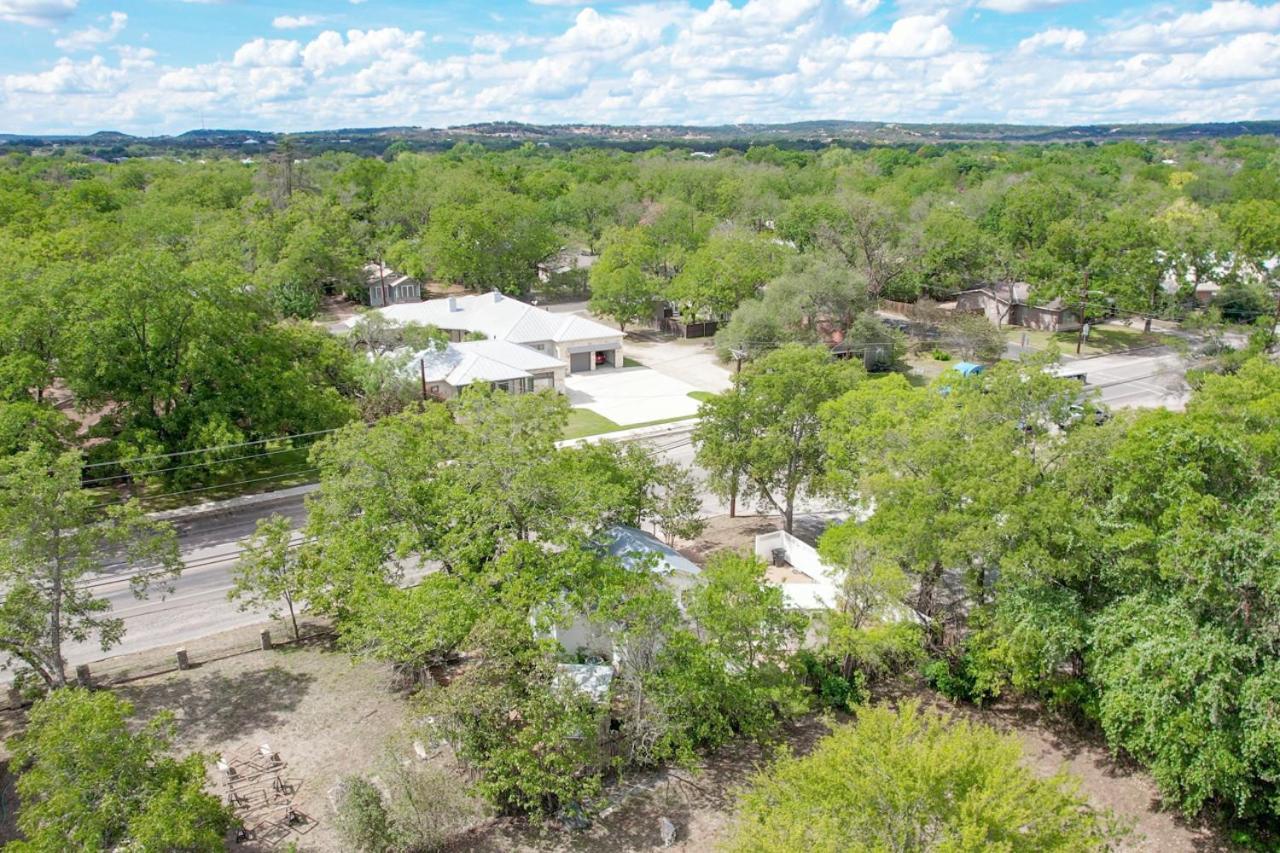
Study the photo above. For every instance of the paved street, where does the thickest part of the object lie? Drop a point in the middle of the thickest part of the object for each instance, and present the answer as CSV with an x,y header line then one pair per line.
x,y
198,605
1150,379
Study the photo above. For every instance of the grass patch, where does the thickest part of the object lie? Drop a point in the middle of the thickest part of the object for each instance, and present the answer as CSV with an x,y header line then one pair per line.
x,y
1103,340
276,468
628,361
584,422
702,396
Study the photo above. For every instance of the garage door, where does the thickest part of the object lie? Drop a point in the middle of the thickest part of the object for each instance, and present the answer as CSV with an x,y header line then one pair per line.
x,y
579,362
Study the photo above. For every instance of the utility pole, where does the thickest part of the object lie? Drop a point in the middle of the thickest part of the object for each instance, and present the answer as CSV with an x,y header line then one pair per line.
x,y
1084,312
422,367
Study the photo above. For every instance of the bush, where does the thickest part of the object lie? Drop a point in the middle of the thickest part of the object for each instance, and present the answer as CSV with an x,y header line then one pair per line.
x,y
362,817
822,676
906,780
955,679
941,355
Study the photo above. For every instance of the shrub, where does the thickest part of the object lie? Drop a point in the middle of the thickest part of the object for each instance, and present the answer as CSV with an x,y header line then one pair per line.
x,y
822,676
941,355
906,780
955,679
362,817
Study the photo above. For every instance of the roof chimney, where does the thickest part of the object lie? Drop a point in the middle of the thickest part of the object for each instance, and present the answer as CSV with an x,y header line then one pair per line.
x,y
453,304
497,296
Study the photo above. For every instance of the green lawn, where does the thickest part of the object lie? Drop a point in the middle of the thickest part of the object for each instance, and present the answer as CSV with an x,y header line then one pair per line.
x,y
276,468
1103,340
584,422
628,361
701,396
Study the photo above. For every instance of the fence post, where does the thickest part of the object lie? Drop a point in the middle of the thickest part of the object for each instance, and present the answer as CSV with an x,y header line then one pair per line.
x,y
183,662
265,636
82,675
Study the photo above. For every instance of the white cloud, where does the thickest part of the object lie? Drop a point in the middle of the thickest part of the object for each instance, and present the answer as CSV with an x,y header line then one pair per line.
x,y
268,53
862,8
296,22
1070,40
37,13
915,36
328,50
1220,19
68,77
91,36
1018,6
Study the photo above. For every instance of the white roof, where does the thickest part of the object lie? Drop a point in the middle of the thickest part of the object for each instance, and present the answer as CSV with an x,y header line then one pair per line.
x,y
481,361
633,546
499,317
591,679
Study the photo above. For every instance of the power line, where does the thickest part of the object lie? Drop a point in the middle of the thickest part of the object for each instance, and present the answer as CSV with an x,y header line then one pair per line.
x,y
215,447
208,488
141,474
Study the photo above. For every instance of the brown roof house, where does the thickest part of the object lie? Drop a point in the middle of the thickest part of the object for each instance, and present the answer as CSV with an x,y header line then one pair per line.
x,y
1007,303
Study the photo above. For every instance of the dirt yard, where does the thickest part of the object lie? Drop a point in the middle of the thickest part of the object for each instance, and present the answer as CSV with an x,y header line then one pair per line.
x,y
324,715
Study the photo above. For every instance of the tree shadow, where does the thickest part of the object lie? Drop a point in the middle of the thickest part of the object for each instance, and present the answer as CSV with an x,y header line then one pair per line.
x,y
212,709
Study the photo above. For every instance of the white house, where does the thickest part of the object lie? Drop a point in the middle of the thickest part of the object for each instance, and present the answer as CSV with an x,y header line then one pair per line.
x,y
445,370
638,551
580,343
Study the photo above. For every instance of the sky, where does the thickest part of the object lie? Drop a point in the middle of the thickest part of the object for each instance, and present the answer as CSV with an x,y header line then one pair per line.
x,y
153,67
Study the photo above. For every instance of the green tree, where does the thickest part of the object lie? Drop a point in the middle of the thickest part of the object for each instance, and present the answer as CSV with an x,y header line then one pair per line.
x,y
730,268
742,617
55,540
913,780
271,569
494,243
89,780
763,436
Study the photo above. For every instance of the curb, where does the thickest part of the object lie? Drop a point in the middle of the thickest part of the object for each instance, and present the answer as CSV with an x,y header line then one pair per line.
x,y
637,434
216,508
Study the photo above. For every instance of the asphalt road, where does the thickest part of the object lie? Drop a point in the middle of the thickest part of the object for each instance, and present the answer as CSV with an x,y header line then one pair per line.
x,y
198,605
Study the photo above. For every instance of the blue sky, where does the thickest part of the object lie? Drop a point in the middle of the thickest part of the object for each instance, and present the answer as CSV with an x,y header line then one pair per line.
x,y
165,66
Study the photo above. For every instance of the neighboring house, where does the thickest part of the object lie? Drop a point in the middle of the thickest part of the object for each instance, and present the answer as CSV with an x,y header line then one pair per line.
x,y
565,263
638,551
388,287
445,370
580,343
1006,303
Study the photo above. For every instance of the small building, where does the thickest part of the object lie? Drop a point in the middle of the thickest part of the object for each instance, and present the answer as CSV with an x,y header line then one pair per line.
x,y
1007,303
579,342
638,551
446,370
566,263
385,286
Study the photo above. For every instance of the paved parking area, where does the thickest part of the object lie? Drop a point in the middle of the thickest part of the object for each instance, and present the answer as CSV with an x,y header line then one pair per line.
x,y
693,362
631,395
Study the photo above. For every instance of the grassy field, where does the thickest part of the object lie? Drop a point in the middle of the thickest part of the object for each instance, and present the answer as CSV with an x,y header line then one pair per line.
x,y
1103,340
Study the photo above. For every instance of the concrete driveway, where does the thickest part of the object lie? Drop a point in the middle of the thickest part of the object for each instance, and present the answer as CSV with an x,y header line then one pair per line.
x,y
693,362
631,395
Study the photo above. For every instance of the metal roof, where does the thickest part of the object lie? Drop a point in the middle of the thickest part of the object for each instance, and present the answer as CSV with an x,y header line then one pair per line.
x,y
499,317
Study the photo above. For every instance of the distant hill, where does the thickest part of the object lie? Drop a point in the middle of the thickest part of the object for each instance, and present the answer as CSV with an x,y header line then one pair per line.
x,y
805,134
